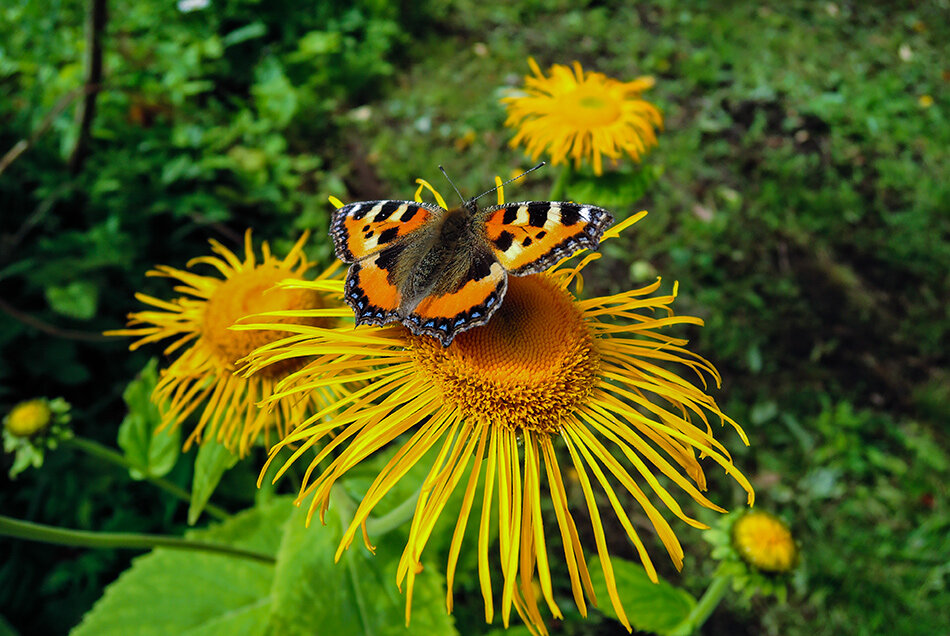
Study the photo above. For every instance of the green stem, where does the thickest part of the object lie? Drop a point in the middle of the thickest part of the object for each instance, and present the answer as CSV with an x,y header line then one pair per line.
x,y
559,188
345,505
378,526
29,531
104,452
705,607
375,526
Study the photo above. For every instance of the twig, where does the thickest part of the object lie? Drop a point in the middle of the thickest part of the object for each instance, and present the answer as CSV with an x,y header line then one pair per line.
x,y
39,325
9,245
95,27
25,144
235,237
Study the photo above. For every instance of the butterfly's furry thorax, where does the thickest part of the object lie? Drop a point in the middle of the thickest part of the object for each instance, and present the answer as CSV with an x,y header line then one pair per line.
x,y
441,272
439,261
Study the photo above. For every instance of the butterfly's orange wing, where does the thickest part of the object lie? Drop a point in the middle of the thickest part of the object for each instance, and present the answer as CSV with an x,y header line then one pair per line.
x,y
367,227
530,236
375,299
474,301
369,290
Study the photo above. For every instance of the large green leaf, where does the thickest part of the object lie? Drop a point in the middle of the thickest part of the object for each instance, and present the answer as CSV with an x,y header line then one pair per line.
x,y
212,462
175,592
358,595
179,592
152,452
650,607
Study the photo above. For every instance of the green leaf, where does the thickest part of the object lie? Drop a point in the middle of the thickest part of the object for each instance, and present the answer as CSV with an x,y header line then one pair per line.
x,y
173,592
152,453
178,592
6,629
244,33
78,299
318,43
615,191
357,595
274,95
650,607
212,462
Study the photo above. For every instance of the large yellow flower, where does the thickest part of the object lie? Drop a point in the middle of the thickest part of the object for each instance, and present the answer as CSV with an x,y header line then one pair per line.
x,y
582,116
203,373
550,379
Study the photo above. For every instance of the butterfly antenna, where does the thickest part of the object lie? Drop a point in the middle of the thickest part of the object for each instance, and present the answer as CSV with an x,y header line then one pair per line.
x,y
509,181
452,184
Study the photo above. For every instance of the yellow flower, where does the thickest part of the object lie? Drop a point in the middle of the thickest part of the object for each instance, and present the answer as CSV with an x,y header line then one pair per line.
x,y
33,427
925,101
765,542
582,116
549,374
28,418
203,373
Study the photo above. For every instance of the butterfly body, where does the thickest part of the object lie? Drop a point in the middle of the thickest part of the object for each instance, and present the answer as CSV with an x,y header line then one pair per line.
x,y
441,272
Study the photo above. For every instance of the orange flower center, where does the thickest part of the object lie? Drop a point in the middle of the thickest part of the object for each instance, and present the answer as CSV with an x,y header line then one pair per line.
x,y
527,369
251,292
588,106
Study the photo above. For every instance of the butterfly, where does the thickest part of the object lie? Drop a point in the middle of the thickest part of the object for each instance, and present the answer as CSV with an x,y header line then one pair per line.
x,y
440,272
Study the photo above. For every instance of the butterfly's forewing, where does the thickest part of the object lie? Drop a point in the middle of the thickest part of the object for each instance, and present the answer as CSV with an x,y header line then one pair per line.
x,y
364,228
530,236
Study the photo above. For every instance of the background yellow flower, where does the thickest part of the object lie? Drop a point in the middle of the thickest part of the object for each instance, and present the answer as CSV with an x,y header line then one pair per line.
x,y
764,542
200,323
583,116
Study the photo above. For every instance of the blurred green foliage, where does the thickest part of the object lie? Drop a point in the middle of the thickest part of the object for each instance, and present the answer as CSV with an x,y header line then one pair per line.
x,y
799,195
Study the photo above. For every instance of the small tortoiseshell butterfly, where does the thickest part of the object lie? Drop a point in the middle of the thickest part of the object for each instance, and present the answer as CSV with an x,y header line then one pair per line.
x,y
440,272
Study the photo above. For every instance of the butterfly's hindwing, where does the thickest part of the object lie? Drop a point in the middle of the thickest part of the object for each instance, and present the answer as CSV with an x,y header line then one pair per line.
x,y
369,291
530,236
364,228
479,294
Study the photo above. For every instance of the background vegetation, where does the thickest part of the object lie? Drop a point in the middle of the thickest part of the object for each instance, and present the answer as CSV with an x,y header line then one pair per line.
x,y
801,197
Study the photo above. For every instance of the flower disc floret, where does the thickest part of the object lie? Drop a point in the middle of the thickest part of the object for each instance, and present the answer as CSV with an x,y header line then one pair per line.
x,y
248,293
527,369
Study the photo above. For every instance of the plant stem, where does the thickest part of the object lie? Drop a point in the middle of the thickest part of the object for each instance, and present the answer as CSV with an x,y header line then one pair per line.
x,y
29,531
705,607
104,452
375,526
559,188
343,502
378,526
